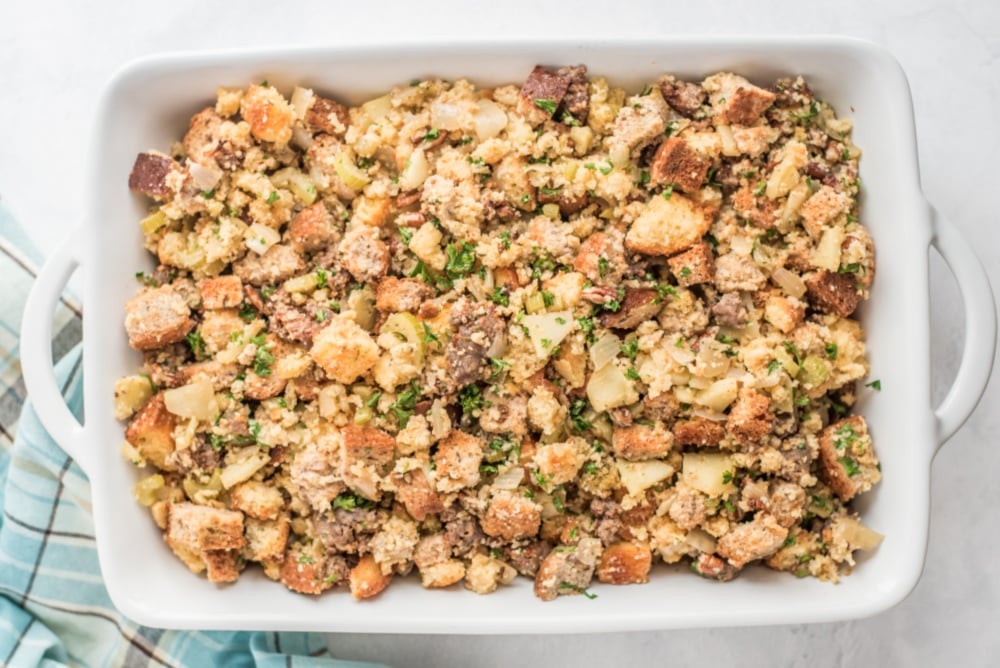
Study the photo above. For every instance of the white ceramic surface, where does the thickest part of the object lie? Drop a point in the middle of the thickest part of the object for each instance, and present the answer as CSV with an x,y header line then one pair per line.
x,y
147,106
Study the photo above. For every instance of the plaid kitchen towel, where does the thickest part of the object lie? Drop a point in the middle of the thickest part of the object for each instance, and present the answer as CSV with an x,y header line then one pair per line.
x,y
54,610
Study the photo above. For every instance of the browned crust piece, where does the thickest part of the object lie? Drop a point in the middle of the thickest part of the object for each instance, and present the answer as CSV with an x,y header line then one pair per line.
x,y
640,442
699,432
712,567
575,107
638,306
157,317
746,105
750,418
311,229
694,266
833,292
367,579
329,116
302,574
151,432
457,458
541,87
677,163
202,528
414,491
512,517
401,294
369,446
625,563
149,175
222,565
221,292
847,462
752,540
686,98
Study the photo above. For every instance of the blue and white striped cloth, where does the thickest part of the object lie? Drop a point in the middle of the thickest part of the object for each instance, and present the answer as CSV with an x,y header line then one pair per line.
x,y
54,610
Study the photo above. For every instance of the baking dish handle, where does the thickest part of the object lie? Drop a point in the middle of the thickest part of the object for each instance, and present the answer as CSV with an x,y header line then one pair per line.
x,y
36,350
980,328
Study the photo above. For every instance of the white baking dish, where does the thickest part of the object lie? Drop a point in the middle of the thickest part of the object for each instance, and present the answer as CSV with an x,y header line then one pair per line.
x,y
147,106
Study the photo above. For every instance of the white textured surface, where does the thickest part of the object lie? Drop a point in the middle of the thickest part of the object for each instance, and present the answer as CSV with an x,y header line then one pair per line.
x,y
56,55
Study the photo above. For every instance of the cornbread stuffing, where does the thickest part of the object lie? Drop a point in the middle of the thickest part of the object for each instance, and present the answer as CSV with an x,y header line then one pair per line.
x,y
558,330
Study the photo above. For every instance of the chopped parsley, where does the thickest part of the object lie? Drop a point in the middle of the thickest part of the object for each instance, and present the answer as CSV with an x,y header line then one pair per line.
x,y
499,296
793,351
499,366
772,366
668,191
430,336
146,279
547,105
630,349
727,477
247,313
875,385
405,404
321,277
831,350
850,466
759,190
587,327
607,169
461,259
348,501
273,197
373,400
548,298
262,359
197,344
505,235
590,467
551,192
632,374
432,134
602,266
664,289
644,177
844,437
405,234
576,410
471,399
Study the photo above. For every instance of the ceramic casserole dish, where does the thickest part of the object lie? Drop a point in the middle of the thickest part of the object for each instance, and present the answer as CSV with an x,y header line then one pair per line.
x,y
148,104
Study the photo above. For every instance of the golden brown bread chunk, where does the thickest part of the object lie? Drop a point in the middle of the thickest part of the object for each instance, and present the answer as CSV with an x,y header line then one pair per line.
x,y
312,229
201,528
511,516
752,540
157,317
847,461
416,494
694,266
625,563
151,432
675,162
457,459
221,292
640,442
750,418
367,579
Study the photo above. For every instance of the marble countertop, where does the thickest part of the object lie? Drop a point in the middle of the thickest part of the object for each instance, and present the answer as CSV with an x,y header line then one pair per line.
x,y
56,55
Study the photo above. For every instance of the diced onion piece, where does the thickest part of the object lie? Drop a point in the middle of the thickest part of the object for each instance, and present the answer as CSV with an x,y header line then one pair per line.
x,y
376,109
712,360
415,171
701,540
362,302
244,469
551,210
708,472
406,327
636,477
261,237
534,303
145,490
206,178
302,138
301,100
448,116
303,283
153,221
729,147
581,136
860,536
490,120
713,416
605,350
196,400
619,154
742,244
131,392
827,253
684,394
352,176
609,388
509,479
719,395
681,355
547,330
789,282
